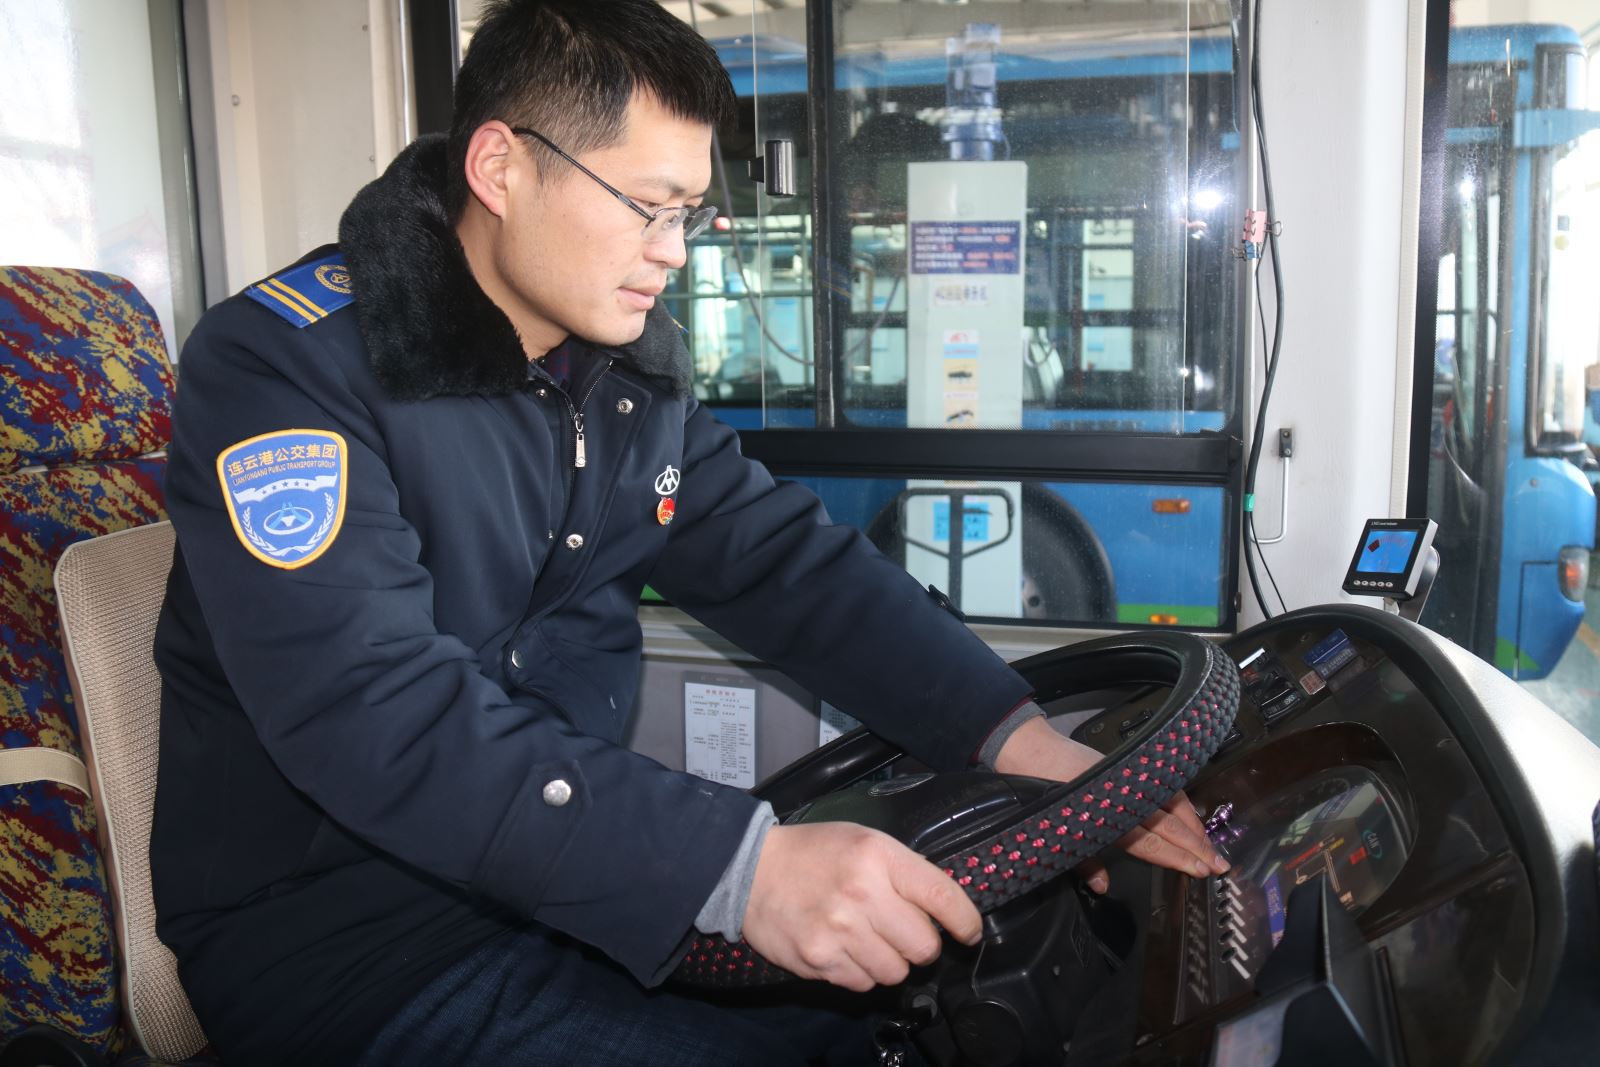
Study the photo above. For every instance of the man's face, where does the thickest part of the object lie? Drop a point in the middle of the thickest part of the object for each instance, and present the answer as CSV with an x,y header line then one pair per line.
x,y
572,255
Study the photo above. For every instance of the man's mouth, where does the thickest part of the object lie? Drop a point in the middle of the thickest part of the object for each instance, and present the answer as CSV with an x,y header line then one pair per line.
x,y
641,299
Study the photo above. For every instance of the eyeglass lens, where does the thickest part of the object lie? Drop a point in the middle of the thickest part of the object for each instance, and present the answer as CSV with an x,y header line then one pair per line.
x,y
692,220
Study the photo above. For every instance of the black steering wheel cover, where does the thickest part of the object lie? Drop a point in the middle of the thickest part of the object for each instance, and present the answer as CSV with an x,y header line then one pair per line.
x,y
1071,821
1081,818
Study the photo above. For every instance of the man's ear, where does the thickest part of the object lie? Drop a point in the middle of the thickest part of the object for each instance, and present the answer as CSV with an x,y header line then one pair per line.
x,y
490,154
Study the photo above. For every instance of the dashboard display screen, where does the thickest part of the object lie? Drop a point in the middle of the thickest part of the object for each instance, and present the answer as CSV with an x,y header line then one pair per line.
x,y
1341,824
1387,551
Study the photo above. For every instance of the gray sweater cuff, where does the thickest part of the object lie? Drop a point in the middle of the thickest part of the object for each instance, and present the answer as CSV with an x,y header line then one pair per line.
x,y
1001,734
723,912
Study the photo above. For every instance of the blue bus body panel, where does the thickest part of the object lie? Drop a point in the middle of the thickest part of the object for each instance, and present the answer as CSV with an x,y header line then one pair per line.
x,y
1487,44
1548,506
1159,561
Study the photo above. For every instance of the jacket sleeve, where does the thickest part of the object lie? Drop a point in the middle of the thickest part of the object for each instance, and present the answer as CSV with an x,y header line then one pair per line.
x,y
389,725
760,562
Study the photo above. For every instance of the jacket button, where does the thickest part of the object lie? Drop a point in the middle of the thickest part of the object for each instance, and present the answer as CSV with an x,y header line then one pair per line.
x,y
575,541
557,793
624,407
516,659
541,392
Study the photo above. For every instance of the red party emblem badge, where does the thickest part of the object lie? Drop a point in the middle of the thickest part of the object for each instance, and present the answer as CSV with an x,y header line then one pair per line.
x,y
664,510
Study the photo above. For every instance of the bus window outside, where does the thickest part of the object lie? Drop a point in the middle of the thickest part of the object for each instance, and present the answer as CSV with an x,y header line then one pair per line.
x,y
1512,468
1030,230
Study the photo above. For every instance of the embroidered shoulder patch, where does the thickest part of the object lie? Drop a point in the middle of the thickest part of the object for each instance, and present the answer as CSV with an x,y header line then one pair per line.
x,y
285,494
307,293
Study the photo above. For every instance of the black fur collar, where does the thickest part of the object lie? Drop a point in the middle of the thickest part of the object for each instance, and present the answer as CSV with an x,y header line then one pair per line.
x,y
429,328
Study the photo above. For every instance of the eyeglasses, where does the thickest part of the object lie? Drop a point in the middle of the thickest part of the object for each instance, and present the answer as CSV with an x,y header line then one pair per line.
x,y
658,225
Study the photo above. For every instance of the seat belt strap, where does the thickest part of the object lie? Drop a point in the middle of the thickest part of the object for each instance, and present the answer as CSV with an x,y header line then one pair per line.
x,y
38,764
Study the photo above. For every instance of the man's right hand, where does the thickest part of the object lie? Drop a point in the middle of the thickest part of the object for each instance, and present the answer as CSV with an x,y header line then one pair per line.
x,y
851,906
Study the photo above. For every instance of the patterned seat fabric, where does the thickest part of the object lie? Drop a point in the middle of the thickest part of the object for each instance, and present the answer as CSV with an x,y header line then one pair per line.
x,y
85,397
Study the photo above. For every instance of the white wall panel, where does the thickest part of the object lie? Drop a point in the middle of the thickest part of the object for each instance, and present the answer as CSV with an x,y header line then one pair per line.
x,y
306,108
1334,91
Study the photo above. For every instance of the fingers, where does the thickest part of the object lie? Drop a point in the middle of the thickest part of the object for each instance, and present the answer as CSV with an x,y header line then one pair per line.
x,y
1183,808
851,906
1094,873
921,883
836,967
1168,840
909,931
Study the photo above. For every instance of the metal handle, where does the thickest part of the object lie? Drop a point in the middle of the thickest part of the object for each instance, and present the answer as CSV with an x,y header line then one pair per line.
x,y
775,168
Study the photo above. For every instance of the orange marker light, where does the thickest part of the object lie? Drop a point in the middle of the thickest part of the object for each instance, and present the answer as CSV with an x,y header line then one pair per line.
x,y
1164,620
1171,506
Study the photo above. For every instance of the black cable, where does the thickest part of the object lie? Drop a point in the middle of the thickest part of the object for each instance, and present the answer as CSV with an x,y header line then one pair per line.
x,y
1271,237
1261,311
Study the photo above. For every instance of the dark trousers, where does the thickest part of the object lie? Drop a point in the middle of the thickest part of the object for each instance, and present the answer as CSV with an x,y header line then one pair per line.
x,y
533,997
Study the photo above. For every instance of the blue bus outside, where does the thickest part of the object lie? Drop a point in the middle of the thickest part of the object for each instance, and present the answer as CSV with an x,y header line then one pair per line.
x,y
1093,552
1515,332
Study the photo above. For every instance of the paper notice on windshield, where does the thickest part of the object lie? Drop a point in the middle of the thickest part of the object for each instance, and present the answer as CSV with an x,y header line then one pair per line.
x,y
719,733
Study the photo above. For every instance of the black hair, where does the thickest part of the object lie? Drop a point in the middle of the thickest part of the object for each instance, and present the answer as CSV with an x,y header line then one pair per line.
x,y
568,68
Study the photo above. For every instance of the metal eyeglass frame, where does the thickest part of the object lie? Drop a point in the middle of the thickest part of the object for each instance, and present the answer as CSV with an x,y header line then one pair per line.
x,y
658,225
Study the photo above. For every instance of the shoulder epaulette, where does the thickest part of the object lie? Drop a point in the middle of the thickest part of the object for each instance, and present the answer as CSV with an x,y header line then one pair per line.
x,y
307,293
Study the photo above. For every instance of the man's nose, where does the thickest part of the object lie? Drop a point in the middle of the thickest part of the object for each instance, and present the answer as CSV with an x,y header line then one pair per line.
x,y
671,251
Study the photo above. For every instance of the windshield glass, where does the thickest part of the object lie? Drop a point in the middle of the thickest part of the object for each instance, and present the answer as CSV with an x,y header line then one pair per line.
x,y
1572,330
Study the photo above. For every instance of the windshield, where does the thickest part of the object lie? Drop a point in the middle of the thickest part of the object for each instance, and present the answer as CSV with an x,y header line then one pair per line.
x,y
1572,328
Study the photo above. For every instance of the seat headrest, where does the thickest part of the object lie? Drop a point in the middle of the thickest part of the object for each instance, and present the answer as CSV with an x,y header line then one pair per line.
x,y
83,369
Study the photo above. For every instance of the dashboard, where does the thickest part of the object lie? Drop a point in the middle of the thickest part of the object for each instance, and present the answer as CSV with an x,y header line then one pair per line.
x,y
1413,874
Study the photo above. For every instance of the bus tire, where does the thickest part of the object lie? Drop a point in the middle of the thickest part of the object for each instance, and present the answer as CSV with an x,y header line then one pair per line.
x,y
1066,574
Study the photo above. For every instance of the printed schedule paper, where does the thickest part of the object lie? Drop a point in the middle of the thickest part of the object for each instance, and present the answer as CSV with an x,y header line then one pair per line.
x,y
719,733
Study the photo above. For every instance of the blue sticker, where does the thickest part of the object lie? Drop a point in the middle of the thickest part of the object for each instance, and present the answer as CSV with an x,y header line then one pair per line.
x,y
966,247
1275,909
285,493
1331,653
974,522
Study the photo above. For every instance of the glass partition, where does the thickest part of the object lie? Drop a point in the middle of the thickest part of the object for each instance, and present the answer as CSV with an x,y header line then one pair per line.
x,y
1014,216
1516,372
1028,221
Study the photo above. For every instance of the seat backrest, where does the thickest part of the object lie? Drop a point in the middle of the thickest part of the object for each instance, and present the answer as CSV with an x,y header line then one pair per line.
x,y
85,410
110,590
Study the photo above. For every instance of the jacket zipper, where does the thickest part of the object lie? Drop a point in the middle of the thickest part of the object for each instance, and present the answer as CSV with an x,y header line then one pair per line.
x,y
580,456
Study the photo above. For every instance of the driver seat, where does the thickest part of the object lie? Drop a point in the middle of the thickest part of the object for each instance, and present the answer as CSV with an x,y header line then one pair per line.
x,y
110,590
85,414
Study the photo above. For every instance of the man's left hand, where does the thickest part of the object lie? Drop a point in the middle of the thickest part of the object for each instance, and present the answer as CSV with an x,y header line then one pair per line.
x,y
1173,837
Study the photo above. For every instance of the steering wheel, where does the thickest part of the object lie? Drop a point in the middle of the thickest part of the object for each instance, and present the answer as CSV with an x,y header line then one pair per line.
x,y
1001,836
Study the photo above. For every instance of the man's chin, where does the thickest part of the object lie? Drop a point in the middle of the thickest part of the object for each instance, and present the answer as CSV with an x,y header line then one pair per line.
x,y
616,330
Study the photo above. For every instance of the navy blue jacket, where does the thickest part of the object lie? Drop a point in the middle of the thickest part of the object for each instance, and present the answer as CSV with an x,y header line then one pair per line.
x,y
355,752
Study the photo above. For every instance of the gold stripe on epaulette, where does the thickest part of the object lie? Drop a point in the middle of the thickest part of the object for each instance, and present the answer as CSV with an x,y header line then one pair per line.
x,y
309,309
286,302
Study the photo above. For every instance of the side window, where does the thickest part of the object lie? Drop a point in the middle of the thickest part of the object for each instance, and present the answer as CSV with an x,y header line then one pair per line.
x,y
1510,470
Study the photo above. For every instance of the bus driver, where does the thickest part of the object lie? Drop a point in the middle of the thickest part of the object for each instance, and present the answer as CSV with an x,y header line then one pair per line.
x,y
418,481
